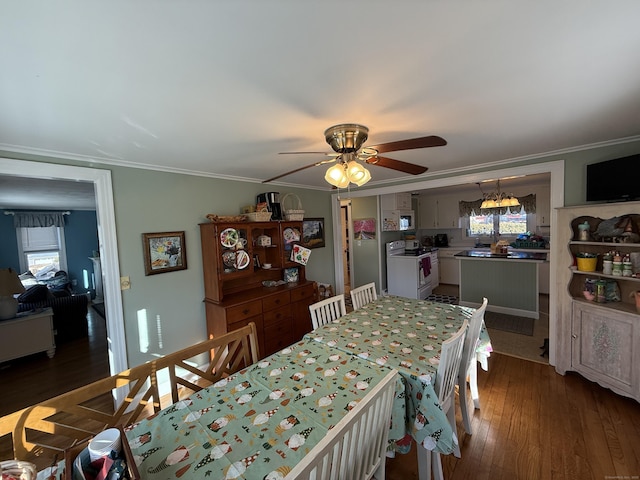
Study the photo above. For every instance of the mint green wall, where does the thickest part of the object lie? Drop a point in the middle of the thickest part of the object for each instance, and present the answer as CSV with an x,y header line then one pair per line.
x,y
172,303
173,202
365,252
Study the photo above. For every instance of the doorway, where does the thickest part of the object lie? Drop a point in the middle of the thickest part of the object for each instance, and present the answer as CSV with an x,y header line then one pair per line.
x,y
345,228
107,240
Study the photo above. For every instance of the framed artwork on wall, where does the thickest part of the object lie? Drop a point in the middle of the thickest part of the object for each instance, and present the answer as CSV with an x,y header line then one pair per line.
x,y
164,252
364,229
313,232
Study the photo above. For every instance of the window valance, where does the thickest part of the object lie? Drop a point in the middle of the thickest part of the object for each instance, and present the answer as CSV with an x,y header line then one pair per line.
x,y
38,219
528,203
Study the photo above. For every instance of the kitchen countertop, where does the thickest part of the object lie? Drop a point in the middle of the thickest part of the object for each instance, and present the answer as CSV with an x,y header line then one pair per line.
x,y
511,255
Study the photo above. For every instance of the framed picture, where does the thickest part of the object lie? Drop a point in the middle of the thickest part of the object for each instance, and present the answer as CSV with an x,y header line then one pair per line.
x,y
164,252
364,229
313,232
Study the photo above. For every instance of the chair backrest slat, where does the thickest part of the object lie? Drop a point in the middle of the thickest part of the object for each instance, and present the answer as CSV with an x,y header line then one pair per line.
x,y
325,311
362,295
450,358
471,340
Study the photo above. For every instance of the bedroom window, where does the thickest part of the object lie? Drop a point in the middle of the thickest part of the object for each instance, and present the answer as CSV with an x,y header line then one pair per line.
x,y
41,250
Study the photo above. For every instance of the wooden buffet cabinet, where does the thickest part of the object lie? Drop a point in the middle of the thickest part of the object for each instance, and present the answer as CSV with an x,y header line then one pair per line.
x,y
601,341
233,256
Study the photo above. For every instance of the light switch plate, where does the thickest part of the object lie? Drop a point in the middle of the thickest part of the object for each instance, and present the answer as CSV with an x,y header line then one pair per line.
x,y
125,283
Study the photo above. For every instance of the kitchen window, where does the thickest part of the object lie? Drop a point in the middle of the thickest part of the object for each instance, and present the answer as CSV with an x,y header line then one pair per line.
x,y
509,224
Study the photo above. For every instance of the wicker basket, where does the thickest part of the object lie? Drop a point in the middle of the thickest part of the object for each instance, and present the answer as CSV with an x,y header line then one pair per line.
x,y
292,214
258,216
226,218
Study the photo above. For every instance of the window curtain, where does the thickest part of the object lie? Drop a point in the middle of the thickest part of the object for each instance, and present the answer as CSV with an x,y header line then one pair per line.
x,y
38,219
466,209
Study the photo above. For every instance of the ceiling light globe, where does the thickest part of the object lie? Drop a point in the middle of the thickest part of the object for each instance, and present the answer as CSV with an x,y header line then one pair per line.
x,y
364,179
336,176
355,171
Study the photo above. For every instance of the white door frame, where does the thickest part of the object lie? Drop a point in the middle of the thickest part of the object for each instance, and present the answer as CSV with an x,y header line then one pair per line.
x,y
107,241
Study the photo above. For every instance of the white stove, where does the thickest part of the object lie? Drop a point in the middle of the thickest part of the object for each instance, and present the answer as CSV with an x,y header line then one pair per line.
x,y
408,275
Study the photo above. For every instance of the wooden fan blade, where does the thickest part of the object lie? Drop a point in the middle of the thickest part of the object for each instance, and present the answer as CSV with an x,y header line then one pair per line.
x,y
317,164
405,167
421,142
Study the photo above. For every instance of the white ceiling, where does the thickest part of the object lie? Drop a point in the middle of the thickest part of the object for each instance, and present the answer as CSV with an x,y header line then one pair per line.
x,y
220,88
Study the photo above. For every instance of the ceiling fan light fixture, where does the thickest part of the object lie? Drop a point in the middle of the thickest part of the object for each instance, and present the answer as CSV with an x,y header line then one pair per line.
x,y
347,137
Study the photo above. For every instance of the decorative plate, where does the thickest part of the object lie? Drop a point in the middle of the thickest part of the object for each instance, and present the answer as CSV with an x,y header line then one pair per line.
x,y
229,259
229,237
291,235
242,259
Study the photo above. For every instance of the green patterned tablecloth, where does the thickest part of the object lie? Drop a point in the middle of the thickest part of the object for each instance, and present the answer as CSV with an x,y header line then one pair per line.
x,y
258,423
407,335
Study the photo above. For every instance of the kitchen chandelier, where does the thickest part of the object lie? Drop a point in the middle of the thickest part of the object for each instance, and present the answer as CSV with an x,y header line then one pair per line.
x,y
347,170
498,199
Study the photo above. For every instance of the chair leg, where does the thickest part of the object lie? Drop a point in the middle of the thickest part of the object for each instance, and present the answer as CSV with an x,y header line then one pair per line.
x,y
436,461
424,462
463,401
451,416
473,383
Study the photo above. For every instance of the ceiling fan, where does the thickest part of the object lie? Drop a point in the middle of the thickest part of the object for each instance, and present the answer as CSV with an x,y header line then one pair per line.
x,y
346,140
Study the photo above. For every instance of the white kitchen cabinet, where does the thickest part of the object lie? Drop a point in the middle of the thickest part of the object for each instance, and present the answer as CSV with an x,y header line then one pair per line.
x,y
438,212
449,266
435,270
428,211
396,201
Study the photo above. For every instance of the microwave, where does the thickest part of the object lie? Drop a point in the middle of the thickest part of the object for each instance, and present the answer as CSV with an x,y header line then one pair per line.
x,y
398,220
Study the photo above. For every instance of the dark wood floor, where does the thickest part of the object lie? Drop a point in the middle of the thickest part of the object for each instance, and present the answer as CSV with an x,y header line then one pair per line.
x,y
534,423
537,424
35,378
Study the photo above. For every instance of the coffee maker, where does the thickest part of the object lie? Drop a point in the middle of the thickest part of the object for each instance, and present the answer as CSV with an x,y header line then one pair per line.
x,y
272,199
441,240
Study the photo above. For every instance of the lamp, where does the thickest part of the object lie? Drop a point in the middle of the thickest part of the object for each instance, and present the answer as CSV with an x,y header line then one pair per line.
x,y
498,199
345,172
9,286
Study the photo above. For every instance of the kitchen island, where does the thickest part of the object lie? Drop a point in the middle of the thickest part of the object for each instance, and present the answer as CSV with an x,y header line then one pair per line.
x,y
509,280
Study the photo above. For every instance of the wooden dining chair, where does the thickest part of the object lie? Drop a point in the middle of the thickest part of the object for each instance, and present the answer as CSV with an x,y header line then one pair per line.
x,y
326,311
446,377
362,295
469,367
43,431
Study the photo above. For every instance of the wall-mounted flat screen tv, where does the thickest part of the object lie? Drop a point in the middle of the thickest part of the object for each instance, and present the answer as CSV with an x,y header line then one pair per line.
x,y
614,180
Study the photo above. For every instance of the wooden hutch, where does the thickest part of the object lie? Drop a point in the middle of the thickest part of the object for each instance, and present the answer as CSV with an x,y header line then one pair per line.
x,y
234,256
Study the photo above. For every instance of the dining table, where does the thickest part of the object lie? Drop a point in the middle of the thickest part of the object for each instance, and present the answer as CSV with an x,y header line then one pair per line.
x,y
407,335
258,423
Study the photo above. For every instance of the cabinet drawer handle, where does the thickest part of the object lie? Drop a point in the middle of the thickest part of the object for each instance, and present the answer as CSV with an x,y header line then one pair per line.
x,y
277,302
573,335
246,311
